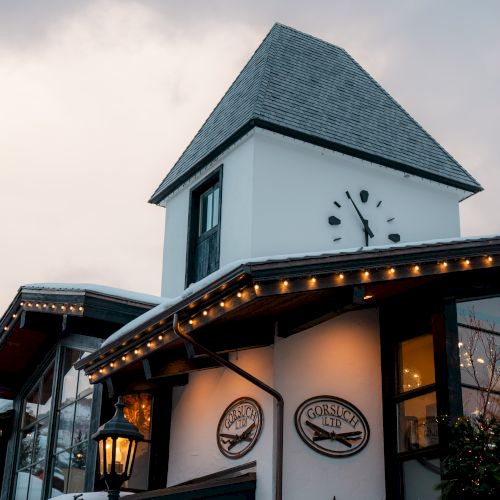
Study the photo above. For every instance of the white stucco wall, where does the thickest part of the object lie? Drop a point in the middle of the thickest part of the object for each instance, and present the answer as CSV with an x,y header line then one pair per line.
x,y
340,357
277,195
295,185
236,215
196,410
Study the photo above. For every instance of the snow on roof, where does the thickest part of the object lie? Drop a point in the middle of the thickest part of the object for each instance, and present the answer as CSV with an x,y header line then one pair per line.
x,y
96,495
101,289
167,303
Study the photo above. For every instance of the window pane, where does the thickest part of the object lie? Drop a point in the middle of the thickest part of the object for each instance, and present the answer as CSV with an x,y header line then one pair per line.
x,y
40,443
70,376
203,213
475,403
82,420
46,393
215,217
36,482
484,312
76,478
416,363
138,412
140,472
31,406
65,427
84,386
478,352
26,448
420,478
417,422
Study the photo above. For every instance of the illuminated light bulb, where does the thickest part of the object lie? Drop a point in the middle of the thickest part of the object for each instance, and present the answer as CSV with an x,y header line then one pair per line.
x,y
80,308
37,306
63,308
489,258
160,337
467,262
21,304
136,351
368,297
366,274
222,304
149,344
29,304
256,287
91,376
71,308
143,406
45,306
5,327
341,276
460,344
392,270
313,280
205,312
285,283
53,306
416,268
124,358
112,364
14,315
100,370
190,321
239,294
444,264
480,360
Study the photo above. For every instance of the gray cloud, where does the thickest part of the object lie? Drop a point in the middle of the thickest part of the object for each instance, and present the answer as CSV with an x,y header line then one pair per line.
x,y
99,98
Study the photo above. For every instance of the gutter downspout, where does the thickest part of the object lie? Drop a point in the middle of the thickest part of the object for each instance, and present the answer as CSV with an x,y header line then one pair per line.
x,y
278,461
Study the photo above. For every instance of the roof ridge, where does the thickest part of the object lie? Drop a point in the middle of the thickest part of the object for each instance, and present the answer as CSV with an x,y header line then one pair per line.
x,y
410,117
266,72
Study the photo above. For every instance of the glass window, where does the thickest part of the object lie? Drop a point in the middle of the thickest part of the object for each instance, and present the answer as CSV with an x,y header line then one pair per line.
x,y
209,209
474,401
420,478
484,311
416,363
138,411
71,420
417,422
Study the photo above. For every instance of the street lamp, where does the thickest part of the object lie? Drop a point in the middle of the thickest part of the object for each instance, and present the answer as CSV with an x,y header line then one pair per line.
x,y
117,442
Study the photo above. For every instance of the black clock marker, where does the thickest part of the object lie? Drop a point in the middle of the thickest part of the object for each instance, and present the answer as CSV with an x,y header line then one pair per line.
x,y
396,238
337,204
391,219
337,239
379,203
334,221
364,195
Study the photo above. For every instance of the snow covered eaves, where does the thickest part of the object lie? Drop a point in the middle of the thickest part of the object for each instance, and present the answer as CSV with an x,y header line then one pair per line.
x,y
201,296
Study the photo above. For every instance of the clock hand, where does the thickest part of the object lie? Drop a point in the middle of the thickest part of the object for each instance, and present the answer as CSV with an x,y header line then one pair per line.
x,y
350,435
368,231
245,434
230,436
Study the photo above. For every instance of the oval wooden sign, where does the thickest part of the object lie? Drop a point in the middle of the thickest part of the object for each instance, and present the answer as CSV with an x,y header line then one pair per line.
x,y
332,426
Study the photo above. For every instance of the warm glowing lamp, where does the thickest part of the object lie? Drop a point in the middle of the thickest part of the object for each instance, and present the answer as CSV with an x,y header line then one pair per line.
x,y
117,443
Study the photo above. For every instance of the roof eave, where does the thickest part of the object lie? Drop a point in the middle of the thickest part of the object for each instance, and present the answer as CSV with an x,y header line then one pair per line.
x,y
160,194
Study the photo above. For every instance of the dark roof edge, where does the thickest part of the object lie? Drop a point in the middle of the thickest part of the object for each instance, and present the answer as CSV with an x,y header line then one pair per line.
x,y
332,145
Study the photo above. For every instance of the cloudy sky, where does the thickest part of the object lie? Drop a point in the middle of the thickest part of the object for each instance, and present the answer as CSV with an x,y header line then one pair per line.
x,y
98,98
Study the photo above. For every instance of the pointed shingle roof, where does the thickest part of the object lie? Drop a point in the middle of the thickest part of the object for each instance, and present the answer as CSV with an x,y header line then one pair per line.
x,y
306,88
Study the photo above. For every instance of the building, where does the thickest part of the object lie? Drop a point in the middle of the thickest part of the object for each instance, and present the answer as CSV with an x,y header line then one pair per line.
x,y
313,239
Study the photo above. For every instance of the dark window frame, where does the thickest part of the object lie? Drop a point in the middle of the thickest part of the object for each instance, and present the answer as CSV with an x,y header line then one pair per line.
x,y
213,179
55,355
401,320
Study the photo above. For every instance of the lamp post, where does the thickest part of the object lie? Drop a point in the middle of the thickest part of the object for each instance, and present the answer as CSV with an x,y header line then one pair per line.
x,y
117,443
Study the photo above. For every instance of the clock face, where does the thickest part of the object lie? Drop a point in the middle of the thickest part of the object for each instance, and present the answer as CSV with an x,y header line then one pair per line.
x,y
368,214
332,426
239,427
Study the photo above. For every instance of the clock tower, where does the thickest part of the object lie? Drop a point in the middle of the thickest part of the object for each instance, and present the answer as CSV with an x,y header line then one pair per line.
x,y
305,153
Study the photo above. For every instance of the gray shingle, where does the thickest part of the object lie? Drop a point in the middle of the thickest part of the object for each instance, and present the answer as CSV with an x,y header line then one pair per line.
x,y
307,88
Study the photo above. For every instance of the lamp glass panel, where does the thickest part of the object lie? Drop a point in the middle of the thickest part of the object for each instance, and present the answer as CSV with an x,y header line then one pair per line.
x,y
122,449
109,454
416,363
101,457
